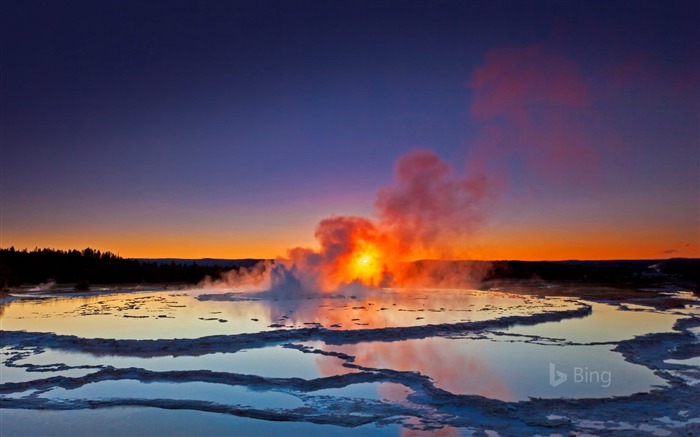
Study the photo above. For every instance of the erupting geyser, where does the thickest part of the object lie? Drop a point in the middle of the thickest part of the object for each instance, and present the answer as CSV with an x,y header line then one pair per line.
x,y
427,213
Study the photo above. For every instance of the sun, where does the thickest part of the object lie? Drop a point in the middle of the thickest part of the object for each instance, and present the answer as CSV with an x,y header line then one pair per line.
x,y
365,266
364,260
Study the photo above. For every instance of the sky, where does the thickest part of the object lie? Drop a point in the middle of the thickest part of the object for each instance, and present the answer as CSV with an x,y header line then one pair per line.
x,y
230,129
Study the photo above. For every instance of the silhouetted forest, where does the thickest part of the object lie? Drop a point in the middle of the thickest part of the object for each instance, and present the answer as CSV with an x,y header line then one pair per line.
x,y
91,266
611,272
624,273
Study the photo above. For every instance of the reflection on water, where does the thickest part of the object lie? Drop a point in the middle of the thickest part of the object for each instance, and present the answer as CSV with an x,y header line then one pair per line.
x,y
156,315
196,391
14,374
385,391
396,308
507,370
155,421
606,323
694,361
134,315
264,362
512,365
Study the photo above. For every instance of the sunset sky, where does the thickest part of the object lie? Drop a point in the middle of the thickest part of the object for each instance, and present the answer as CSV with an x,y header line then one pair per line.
x,y
230,129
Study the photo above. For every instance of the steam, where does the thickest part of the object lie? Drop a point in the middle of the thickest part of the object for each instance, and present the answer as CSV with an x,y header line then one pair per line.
x,y
340,238
46,286
533,111
431,208
428,211
255,278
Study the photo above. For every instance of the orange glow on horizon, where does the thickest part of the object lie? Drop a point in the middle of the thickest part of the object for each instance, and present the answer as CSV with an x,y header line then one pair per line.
x,y
368,261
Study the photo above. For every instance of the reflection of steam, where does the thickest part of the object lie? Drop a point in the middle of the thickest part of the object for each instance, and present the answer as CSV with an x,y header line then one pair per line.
x,y
451,368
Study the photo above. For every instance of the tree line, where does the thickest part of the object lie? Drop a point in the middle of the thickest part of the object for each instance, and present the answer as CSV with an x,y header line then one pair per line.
x,y
90,266
613,272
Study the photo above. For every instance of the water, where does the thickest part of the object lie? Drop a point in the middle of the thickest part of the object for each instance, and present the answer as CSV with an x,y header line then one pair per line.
x,y
196,391
155,315
369,390
121,421
486,367
375,384
607,323
134,315
265,362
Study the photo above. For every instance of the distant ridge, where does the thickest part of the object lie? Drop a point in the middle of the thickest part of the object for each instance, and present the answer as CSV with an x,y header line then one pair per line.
x,y
92,266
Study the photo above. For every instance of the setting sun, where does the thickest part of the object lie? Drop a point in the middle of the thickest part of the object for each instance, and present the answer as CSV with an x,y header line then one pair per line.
x,y
366,266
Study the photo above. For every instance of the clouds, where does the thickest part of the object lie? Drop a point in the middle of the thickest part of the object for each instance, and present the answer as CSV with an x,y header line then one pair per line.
x,y
609,133
533,107
430,205
559,116
513,81
430,210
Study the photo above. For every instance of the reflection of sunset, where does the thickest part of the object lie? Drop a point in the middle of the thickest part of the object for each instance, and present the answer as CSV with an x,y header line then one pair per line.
x,y
454,369
133,315
445,431
404,308
527,243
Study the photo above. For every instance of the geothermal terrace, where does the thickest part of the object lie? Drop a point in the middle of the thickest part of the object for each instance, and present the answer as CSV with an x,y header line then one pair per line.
x,y
374,361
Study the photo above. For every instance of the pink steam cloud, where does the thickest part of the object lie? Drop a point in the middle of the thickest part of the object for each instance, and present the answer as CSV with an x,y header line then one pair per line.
x,y
534,107
430,205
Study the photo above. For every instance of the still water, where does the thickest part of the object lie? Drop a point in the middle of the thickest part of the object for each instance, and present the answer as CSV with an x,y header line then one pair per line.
x,y
373,384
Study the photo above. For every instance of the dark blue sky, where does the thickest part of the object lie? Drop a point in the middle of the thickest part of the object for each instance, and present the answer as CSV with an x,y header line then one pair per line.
x,y
230,128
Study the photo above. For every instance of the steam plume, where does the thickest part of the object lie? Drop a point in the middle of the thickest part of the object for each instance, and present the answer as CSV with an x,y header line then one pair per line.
x,y
428,211
535,113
